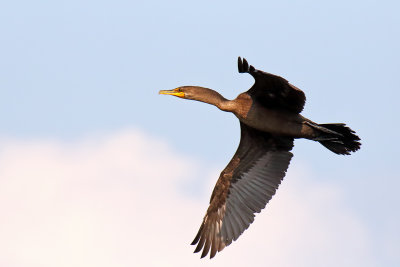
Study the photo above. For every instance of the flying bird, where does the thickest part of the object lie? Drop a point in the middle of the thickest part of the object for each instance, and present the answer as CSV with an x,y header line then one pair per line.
x,y
270,120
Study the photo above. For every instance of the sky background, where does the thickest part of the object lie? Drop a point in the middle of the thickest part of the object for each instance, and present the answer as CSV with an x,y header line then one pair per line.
x,y
97,169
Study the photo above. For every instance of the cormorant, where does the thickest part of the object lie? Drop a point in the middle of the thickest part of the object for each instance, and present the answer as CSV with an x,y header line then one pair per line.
x,y
269,115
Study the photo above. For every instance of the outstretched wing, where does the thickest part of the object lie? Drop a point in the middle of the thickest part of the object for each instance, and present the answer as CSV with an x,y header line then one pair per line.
x,y
244,188
273,91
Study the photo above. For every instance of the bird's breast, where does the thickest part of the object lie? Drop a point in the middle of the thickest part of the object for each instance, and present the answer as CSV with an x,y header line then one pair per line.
x,y
241,106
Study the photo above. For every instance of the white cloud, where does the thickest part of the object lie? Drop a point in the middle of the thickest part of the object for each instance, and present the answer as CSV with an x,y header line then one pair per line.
x,y
114,201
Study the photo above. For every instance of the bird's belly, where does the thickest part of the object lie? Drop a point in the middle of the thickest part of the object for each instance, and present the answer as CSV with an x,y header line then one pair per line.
x,y
275,122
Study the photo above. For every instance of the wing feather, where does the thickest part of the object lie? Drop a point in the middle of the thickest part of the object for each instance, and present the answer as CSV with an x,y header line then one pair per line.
x,y
244,188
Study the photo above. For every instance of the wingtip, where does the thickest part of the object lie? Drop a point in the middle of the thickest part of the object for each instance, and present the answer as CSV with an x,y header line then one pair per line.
x,y
213,253
244,66
196,239
240,64
197,250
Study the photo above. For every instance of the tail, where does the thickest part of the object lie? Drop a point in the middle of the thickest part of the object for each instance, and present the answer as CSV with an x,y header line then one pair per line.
x,y
338,138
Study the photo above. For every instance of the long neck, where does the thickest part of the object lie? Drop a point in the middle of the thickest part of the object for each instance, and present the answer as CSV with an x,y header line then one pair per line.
x,y
209,96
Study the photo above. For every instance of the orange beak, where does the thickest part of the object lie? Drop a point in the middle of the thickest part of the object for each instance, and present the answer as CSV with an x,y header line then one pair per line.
x,y
175,92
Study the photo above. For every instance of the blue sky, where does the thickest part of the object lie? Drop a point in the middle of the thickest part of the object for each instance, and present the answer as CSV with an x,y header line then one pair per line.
x,y
78,69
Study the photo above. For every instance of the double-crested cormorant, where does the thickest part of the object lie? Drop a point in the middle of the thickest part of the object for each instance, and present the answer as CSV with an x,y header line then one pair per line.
x,y
269,121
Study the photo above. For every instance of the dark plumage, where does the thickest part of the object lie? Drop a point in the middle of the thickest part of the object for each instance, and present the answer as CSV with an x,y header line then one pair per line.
x,y
273,91
269,122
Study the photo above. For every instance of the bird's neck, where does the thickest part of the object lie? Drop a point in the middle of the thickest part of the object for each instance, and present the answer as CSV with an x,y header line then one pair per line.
x,y
213,98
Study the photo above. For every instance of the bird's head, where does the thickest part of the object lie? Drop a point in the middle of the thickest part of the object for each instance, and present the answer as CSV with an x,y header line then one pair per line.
x,y
187,92
175,92
196,93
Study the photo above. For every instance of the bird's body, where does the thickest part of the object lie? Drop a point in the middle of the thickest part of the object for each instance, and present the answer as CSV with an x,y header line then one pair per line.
x,y
270,120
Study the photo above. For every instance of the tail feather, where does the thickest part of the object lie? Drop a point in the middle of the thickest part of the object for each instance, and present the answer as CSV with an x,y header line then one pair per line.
x,y
338,138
